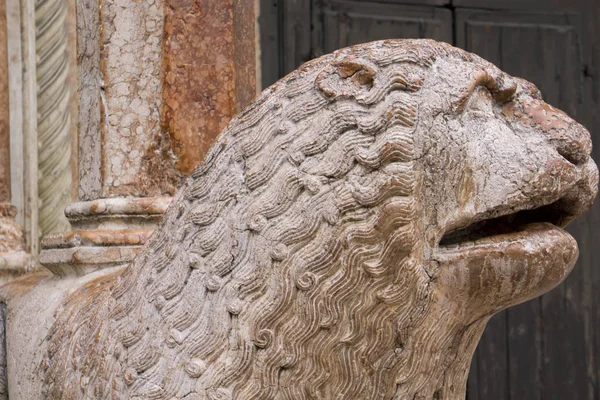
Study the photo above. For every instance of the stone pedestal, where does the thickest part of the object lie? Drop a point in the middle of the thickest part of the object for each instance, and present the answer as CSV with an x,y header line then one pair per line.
x,y
157,83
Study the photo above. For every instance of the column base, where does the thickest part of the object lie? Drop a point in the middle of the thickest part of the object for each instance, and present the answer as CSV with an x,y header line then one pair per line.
x,y
105,233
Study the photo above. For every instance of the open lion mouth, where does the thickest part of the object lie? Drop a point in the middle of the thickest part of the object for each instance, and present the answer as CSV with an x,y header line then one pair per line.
x,y
504,260
488,229
499,262
506,225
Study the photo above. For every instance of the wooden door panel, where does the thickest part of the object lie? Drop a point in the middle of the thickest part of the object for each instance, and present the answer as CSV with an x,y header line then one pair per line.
x,y
339,23
414,2
284,27
525,5
542,48
287,39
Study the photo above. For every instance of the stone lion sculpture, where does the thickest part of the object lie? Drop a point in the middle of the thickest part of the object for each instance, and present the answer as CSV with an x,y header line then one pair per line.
x,y
348,237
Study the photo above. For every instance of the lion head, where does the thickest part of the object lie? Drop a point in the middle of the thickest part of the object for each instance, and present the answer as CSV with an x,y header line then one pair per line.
x,y
348,237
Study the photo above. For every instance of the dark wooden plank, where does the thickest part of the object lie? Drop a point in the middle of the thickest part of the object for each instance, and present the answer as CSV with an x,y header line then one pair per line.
x,y
492,361
269,27
523,5
3,355
588,228
341,23
284,37
287,39
418,2
525,343
589,248
590,261
295,34
563,372
473,382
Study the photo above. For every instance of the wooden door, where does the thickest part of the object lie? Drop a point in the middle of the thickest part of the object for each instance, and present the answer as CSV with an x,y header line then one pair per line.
x,y
548,348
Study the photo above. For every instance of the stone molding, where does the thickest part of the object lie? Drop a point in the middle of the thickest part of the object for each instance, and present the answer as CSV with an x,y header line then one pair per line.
x,y
105,233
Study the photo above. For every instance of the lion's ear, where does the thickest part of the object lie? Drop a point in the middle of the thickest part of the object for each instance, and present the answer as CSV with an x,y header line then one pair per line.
x,y
346,78
500,86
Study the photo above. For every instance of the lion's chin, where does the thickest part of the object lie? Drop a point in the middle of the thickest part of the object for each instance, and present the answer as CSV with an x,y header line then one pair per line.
x,y
500,270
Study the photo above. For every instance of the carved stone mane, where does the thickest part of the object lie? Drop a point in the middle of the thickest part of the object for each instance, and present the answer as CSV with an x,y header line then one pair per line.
x,y
291,264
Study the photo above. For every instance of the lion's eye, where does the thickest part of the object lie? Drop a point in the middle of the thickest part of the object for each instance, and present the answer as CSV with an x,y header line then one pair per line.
x,y
501,88
536,94
479,102
504,94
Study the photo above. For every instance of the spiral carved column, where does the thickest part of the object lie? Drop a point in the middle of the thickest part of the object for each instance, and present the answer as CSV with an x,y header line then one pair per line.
x,y
53,114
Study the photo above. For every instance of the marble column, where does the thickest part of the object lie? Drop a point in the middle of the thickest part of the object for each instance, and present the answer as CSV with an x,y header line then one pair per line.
x,y
158,81
53,117
14,260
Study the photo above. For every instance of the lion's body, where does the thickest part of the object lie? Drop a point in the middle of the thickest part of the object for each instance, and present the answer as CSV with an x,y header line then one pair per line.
x,y
289,265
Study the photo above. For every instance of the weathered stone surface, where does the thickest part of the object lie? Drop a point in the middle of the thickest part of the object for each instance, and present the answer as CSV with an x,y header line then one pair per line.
x,y
159,81
135,159
14,261
157,84
120,68
348,236
53,117
117,213
210,72
90,89
11,234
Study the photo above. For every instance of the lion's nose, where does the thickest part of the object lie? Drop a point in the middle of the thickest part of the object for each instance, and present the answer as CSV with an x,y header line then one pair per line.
x,y
573,143
571,139
579,198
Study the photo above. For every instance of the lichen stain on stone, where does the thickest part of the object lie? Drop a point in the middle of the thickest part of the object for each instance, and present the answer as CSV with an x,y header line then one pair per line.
x,y
160,177
358,72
